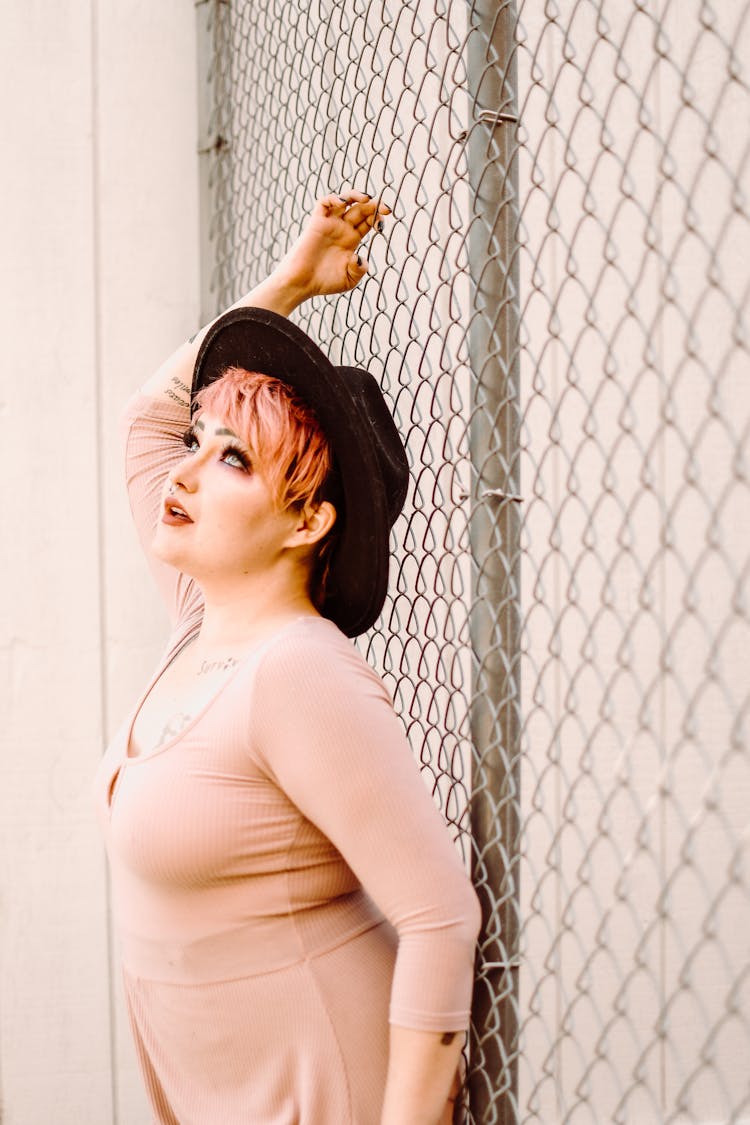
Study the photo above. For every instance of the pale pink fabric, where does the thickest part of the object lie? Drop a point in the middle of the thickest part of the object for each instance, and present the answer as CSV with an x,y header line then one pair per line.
x,y
283,882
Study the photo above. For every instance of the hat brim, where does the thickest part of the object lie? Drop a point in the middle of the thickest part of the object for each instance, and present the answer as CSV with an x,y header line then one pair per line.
x,y
262,341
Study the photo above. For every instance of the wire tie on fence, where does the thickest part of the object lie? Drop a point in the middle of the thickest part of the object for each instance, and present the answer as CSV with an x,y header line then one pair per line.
x,y
514,963
491,493
489,117
496,118
218,144
498,494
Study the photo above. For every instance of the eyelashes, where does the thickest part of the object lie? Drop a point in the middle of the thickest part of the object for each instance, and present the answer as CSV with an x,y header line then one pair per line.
x,y
228,453
190,438
239,455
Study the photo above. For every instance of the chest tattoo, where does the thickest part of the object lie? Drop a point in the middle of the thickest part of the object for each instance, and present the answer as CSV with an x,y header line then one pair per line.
x,y
176,724
216,665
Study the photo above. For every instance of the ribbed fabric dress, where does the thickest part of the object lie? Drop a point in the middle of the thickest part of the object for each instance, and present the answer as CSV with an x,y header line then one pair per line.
x,y
284,885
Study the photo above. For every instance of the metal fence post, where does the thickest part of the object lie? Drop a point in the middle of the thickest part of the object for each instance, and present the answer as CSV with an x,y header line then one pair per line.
x,y
215,108
495,523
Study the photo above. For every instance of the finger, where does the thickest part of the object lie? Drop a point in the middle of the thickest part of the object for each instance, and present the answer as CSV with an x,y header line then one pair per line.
x,y
332,204
366,213
374,223
345,198
361,212
357,267
382,208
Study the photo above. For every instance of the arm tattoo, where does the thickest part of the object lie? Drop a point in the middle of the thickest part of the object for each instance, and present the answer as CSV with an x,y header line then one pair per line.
x,y
178,383
170,394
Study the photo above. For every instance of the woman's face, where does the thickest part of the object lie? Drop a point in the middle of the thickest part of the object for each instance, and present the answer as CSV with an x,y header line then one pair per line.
x,y
218,518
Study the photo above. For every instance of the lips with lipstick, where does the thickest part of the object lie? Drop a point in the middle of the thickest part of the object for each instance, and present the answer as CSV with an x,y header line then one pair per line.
x,y
174,513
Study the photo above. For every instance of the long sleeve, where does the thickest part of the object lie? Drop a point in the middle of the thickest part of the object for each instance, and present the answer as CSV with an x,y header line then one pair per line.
x,y
326,733
153,430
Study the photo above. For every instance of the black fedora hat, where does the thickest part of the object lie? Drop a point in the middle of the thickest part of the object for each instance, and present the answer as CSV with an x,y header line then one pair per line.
x,y
369,457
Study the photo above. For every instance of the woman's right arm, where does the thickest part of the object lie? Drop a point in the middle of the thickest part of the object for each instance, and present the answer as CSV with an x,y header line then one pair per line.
x,y
324,260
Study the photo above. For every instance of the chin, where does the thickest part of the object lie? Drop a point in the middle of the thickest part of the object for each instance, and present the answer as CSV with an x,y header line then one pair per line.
x,y
167,549
174,551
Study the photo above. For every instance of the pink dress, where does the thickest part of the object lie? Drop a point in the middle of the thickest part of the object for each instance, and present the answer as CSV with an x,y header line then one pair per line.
x,y
284,885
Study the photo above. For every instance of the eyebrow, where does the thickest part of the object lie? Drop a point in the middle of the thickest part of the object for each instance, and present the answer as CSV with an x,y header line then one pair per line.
x,y
220,432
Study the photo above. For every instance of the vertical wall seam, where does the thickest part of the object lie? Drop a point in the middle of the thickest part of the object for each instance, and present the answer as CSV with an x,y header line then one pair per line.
x,y
557,676
96,266
659,14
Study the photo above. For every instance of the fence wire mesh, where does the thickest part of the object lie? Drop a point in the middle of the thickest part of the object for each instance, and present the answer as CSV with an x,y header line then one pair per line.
x,y
558,313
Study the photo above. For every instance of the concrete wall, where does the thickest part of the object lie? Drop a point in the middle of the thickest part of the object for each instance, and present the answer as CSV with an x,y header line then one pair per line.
x,y
100,253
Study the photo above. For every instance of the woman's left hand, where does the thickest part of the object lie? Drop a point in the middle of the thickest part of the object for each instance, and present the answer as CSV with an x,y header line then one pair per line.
x,y
326,257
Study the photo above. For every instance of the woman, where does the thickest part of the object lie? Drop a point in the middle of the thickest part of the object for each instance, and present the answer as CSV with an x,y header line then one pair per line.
x,y
284,886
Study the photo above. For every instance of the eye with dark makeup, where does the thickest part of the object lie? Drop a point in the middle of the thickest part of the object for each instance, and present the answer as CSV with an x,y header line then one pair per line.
x,y
232,455
190,439
239,455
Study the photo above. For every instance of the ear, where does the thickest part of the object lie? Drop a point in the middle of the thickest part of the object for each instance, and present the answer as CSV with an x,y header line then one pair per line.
x,y
313,524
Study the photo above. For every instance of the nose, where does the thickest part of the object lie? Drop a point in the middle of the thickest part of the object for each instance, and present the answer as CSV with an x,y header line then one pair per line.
x,y
184,475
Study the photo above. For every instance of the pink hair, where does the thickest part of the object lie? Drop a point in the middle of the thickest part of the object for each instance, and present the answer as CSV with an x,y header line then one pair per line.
x,y
293,453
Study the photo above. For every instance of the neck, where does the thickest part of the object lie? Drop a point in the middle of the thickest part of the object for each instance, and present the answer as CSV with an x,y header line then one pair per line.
x,y
237,616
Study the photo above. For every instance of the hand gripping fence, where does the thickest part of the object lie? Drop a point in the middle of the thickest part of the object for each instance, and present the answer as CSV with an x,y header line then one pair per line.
x,y
557,310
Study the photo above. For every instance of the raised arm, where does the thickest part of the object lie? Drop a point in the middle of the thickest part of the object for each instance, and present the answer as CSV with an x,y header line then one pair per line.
x,y
325,259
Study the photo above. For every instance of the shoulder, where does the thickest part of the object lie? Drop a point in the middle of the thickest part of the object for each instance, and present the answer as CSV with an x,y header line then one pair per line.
x,y
312,657
317,709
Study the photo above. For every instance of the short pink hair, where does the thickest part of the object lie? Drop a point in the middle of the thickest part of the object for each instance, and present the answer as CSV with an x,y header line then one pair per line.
x,y
294,455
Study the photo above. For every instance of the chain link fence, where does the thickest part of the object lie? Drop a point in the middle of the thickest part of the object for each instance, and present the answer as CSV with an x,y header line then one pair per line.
x,y
557,312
